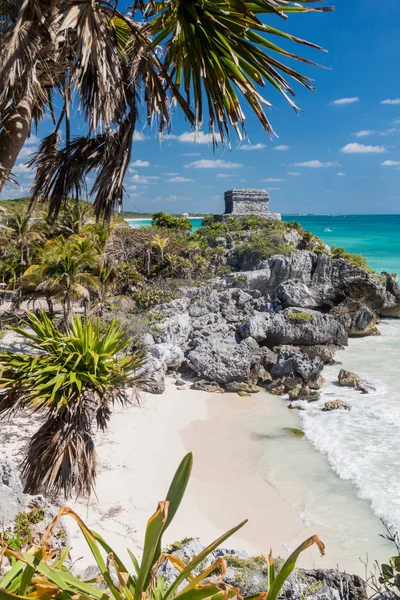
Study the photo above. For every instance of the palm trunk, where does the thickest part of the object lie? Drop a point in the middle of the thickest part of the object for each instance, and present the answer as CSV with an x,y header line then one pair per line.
x,y
13,135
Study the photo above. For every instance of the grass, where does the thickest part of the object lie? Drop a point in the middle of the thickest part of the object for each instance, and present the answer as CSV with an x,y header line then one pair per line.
x,y
299,316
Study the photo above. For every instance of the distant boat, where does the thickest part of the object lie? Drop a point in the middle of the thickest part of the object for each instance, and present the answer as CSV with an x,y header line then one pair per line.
x,y
327,229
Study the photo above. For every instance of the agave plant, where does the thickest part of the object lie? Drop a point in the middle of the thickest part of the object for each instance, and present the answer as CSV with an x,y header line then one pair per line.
x,y
32,576
210,58
73,379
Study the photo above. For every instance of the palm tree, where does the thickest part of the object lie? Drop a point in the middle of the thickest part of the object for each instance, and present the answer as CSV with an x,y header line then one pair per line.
x,y
66,271
73,380
160,243
185,53
20,229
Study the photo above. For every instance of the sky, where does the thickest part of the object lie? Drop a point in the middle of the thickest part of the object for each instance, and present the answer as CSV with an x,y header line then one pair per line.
x,y
341,155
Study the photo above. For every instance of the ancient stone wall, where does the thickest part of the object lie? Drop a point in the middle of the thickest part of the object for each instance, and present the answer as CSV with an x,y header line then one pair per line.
x,y
247,202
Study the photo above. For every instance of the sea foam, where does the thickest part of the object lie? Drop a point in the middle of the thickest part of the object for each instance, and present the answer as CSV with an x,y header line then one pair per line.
x,y
362,445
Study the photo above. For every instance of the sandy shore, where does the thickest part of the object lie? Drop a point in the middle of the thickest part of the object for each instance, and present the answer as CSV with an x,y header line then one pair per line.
x,y
245,466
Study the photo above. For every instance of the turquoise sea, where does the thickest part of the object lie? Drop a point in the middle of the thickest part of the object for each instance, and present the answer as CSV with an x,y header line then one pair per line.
x,y
377,237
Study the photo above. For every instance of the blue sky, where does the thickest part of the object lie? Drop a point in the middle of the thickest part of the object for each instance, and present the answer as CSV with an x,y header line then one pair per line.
x,y
340,156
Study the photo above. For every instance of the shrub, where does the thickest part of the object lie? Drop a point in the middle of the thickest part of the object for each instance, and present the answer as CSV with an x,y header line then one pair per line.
x,y
166,221
260,247
149,296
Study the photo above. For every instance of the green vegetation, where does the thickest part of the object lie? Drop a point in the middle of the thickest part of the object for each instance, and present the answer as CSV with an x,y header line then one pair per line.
x,y
22,531
302,316
293,432
41,575
355,259
74,380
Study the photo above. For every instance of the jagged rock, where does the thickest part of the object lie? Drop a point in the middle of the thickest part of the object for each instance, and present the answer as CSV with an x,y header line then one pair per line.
x,y
313,280
308,396
169,355
260,375
295,391
224,360
207,386
316,384
356,318
151,376
180,382
243,393
277,387
275,329
237,386
349,379
292,383
14,501
175,330
268,357
335,405
296,364
293,432
325,352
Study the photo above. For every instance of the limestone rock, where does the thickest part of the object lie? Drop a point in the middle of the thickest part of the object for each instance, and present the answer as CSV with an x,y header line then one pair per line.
x,y
349,379
224,360
296,364
238,386
357,318
326,352
151,376
207,386
169,355
336,405
276,329
317,383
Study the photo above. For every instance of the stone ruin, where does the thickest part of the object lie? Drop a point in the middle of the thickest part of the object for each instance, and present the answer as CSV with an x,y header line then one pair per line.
x,y
244,202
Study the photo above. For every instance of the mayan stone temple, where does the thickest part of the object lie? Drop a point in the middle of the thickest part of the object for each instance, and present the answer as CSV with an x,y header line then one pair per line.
x,y
243,202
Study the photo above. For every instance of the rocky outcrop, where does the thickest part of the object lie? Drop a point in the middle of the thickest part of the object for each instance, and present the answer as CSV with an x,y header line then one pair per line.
x,y
349,379
13,501
313,280
275,329
356,318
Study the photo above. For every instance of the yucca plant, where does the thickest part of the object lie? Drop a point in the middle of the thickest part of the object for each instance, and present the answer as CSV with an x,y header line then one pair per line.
x,y
73,379
32,576
209,58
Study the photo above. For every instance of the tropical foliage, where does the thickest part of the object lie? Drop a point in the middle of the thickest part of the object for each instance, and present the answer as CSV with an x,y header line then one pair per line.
x,y
73,378
37,574
209,58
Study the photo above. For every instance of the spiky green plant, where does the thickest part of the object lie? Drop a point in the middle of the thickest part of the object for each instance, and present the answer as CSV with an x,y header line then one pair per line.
x,y
73,378
32,575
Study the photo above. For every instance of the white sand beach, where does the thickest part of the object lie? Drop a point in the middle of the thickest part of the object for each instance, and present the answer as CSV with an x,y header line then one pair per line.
x,y
245,466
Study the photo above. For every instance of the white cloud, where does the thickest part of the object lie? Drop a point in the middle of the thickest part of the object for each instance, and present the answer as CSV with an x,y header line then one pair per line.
x,y
153,177
26,151
364,133
169,174
293,173
223,176
356,148
140,179
32,141
250,147
391,163
272,179
315,164
213,164
22,168
132,187
179,180
140,163
281,148
340,174
391,102
190,137
191,154
274,189
138,136
345,101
